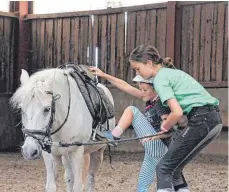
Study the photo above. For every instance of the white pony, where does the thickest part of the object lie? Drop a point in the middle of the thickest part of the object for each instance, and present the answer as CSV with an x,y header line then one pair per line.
x,y
35,97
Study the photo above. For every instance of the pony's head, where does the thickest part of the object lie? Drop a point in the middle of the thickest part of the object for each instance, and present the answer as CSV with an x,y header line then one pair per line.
x,y
34,98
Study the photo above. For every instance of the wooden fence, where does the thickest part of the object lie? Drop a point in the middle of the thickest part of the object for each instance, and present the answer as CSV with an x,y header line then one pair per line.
x,y
203,47
195,34
107,37
9,133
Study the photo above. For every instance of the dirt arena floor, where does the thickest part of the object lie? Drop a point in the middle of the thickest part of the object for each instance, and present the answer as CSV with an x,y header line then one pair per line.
x,y
204,174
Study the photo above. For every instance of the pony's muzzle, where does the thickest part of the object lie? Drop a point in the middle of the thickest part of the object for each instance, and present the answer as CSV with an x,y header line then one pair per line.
x,y
31,150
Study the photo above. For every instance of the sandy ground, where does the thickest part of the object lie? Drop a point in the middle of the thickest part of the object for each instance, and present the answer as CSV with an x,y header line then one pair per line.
x,y
204,174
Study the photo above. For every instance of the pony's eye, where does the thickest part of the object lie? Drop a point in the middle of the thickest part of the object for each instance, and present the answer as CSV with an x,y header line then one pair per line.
x,y
46,110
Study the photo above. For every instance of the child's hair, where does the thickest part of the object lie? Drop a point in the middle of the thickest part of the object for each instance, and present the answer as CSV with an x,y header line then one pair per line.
x,y
143,53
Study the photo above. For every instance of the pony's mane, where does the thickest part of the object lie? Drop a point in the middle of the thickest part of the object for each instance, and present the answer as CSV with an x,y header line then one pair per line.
x,y
37,86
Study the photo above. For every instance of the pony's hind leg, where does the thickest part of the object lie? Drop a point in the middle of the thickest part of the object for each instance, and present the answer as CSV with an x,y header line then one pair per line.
x,y
69,177
95,162
50,171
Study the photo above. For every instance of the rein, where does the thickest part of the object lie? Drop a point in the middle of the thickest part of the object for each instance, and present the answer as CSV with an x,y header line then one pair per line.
x,y
152,137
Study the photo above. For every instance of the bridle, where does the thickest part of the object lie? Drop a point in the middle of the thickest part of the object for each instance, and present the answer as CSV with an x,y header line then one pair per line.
x,y
47,133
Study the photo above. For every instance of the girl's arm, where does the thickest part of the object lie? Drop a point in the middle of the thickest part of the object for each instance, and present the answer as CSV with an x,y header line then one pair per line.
x,y
120,84
174,116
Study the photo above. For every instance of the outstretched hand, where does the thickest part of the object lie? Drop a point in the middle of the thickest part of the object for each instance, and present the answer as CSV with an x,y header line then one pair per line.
x,y
96,71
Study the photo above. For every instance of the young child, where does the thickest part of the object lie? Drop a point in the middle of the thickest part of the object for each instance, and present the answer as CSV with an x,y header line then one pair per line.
x,y
183,95
143,124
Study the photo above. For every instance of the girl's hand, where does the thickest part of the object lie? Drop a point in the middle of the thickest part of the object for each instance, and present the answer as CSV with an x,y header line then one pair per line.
x,y
96,71
164,127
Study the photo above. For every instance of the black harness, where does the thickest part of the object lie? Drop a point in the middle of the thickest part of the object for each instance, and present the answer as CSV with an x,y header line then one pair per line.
x,y
48,129
97,115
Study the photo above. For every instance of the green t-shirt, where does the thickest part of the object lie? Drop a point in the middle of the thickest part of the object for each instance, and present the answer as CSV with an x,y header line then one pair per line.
x,y
174,83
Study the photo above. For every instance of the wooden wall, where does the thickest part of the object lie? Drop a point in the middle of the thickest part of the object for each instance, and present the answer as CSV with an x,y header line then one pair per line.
x,y
10,134
200,41
204,42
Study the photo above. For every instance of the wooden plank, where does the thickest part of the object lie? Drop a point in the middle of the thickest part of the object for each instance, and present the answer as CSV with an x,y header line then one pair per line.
x,y
109,44
202,43
219,51
214,43
1,48
7,29
90,43
196,43
98,12
161,32
83,40
66,40
120,45
57,42
37,46
95,39
34,45
138,28
152,29
191,40
8,14
130,44
99,40
71,45
143,29
103,65
46,64
215,84
208,39
55,37
59,31
182,3
162,40
178,26
42,43
170,39
76,39
147,28
49,43
113,60
13,36
185,39
225,61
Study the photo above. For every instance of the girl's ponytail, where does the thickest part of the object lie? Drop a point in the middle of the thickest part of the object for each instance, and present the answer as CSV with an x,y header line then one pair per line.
x,y
168,63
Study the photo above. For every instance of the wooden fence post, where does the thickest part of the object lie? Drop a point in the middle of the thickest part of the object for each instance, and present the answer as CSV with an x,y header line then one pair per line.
x,y
22,8
171,20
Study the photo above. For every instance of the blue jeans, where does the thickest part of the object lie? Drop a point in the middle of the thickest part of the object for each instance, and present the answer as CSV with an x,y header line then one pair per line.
x,y
204,124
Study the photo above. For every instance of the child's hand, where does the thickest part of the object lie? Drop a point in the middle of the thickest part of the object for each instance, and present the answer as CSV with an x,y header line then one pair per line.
x,y
183,121
96,71
164,127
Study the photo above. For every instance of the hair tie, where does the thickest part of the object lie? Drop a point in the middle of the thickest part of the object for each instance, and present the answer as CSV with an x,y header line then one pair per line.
x,y
160,61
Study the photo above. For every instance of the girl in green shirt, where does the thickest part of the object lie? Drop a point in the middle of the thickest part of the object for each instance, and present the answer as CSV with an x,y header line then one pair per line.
x,y
183,95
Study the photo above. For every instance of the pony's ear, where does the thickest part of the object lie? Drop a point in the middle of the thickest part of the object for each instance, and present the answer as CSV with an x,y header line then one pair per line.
x,y
24,78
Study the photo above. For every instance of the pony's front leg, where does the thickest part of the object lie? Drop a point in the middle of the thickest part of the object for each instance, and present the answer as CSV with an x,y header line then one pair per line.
x,y
69,178
50,171
85,170
77,163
